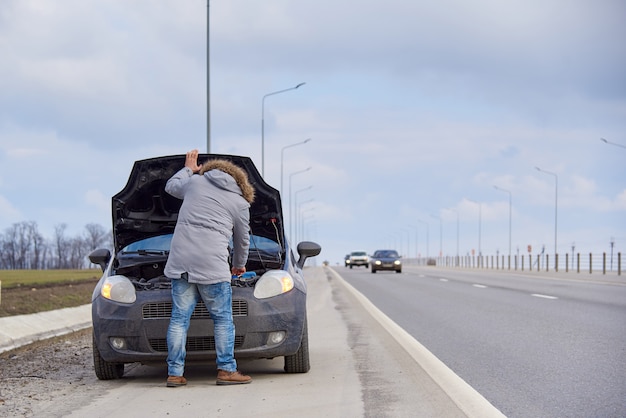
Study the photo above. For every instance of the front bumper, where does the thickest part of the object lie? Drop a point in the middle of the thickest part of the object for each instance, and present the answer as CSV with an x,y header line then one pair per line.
x,y
386,265
143,326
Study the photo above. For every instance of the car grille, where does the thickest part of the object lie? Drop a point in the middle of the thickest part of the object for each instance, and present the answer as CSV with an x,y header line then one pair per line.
x,y
193,343
163,310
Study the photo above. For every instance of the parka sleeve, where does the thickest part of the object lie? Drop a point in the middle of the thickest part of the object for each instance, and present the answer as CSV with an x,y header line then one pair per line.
x,y
241,237
176,184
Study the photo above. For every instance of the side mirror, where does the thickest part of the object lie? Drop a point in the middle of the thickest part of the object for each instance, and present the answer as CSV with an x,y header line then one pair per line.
x,y
101,257
307,249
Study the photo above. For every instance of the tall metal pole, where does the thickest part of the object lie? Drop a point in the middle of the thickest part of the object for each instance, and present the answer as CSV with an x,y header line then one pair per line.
x,y
263,124
282,152
479,231
299,216
291,204
510,212
457,235
612,143
416,246
208,82
296,211
440,234
424,222
556,201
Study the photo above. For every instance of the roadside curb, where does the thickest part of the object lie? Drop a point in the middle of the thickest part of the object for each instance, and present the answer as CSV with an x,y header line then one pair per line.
x,y
467,399
20,330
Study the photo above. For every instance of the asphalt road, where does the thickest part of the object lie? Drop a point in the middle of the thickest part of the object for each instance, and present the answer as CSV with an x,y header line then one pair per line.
x,y
534,345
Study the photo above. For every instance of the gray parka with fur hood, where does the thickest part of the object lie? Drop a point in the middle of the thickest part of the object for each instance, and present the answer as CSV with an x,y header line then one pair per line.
x,y
216,207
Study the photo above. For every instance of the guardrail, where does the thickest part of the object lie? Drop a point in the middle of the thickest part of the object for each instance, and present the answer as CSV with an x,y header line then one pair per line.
x,y
579,263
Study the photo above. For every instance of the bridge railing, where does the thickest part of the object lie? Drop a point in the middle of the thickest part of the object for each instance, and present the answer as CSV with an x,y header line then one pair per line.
x,y
580,263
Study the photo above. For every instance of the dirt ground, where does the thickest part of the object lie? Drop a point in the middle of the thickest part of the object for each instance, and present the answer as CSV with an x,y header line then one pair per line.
x,y
31,299
49,378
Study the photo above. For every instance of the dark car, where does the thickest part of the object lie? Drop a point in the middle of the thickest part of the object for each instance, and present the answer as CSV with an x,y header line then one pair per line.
x,y
131,304
386,260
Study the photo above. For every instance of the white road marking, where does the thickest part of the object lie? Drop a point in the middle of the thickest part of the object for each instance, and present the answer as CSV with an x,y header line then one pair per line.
x,y
538,295
480,286
443,280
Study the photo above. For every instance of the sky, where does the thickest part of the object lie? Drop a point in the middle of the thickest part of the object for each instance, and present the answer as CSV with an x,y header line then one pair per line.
x,y
427,120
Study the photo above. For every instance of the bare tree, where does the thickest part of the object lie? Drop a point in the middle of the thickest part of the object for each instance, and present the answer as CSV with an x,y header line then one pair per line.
x,y
77,252
4,253
22,243
23,247
62,246
9,249
95,236
38,248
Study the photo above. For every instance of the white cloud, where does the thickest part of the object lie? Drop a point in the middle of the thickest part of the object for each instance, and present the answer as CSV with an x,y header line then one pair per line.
x,y
620,201
8,212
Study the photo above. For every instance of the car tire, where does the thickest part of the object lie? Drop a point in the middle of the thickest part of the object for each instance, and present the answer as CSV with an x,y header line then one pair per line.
x,y
350,265
299,362
105,370
398,271
367,265
373,270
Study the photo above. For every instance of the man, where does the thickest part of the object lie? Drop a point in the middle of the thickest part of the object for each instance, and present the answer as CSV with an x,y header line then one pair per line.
x,y
216,207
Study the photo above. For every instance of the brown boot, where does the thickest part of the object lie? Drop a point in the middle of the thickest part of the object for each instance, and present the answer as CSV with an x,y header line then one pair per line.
x,y
175,381
232,378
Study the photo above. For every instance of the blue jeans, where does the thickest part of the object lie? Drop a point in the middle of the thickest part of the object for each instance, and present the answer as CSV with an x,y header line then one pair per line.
x,y
218,300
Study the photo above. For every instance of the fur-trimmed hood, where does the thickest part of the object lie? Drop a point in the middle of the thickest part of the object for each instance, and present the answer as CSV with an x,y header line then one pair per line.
x,y
236,172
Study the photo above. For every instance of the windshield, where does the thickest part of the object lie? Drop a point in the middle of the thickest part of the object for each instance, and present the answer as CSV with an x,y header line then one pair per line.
x,y
161,243
390,253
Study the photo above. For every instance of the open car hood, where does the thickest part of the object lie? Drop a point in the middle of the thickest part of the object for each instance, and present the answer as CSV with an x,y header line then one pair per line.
x,y
143,209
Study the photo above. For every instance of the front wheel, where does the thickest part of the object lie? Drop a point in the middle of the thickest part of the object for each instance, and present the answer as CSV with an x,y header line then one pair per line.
x,y
299,362
105,370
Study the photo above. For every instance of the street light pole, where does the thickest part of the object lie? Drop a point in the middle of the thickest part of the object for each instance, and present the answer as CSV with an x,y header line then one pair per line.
x,y
556,201
263,124
510,212
302,218
480,251
426,223
457,235
612,143
282,152
416,247
440,234
291,201
297,209
208,82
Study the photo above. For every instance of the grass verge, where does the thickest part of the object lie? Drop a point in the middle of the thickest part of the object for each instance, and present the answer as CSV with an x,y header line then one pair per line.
x,y
32,291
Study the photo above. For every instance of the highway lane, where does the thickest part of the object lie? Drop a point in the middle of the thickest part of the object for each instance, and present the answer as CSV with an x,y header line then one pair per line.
x,y
531,344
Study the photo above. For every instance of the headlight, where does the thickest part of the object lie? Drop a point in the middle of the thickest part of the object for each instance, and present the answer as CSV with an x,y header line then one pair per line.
x,y
273,283
118,289
397,262
377,262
